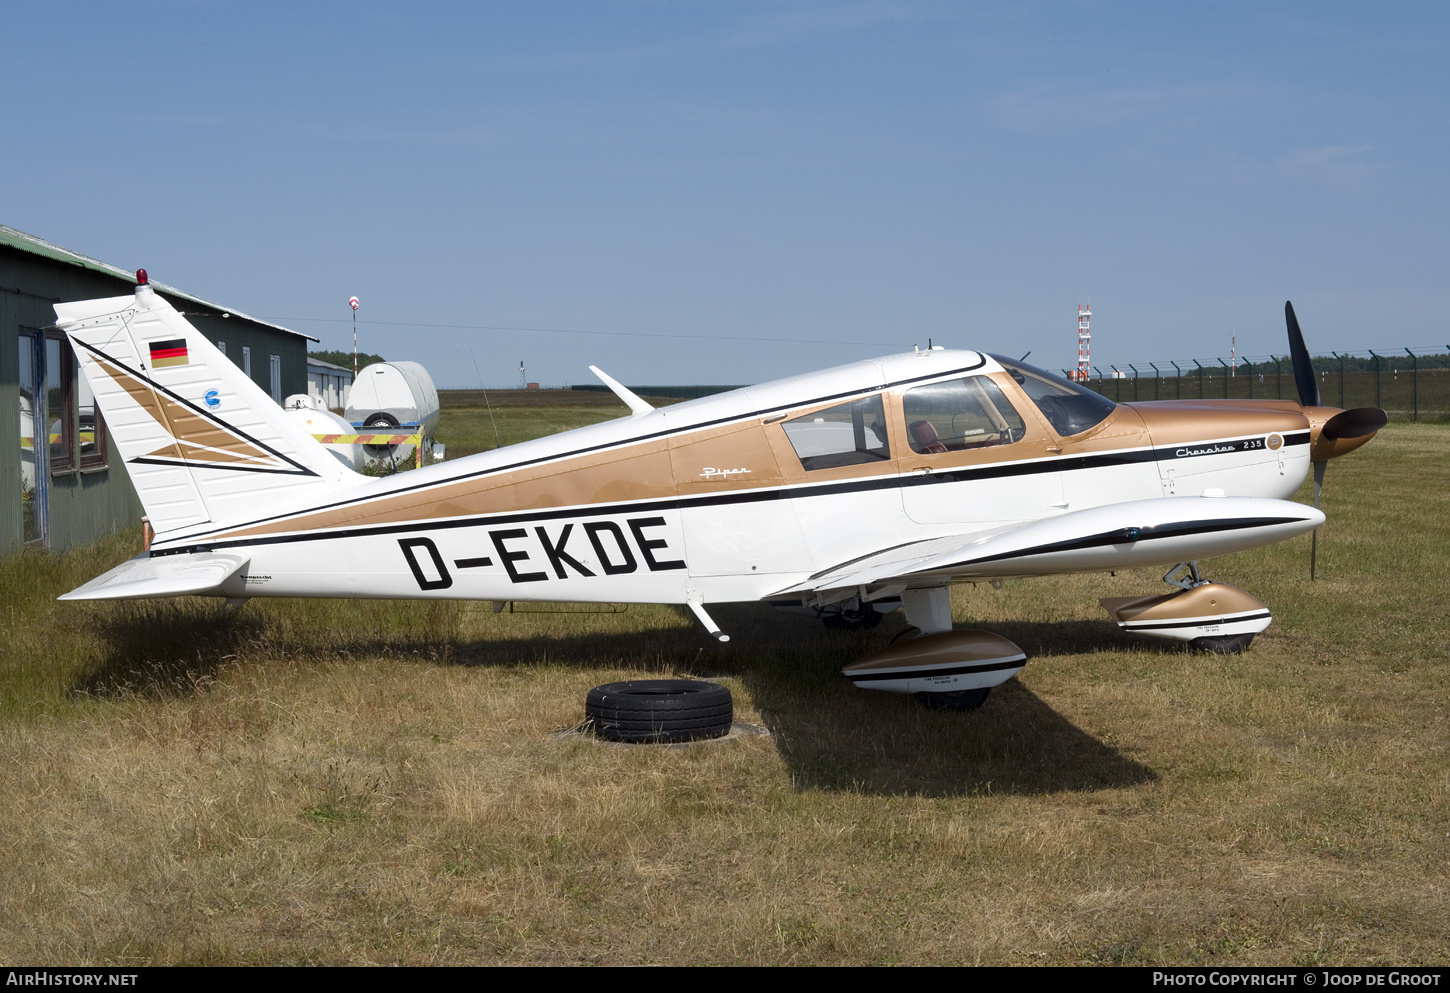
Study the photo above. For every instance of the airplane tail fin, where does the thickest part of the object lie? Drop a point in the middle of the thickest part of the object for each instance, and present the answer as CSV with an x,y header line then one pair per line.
x,y
201,441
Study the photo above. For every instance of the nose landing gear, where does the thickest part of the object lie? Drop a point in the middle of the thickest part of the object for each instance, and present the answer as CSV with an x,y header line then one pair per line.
x,y
1213,617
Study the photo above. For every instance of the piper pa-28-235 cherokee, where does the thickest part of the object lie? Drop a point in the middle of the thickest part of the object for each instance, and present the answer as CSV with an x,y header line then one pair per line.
x,y
845,494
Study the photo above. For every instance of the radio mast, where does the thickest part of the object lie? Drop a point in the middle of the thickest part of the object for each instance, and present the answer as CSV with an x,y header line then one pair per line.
x,y
1084,342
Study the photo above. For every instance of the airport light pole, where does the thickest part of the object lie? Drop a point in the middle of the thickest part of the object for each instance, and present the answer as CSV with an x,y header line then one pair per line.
x,y
1378,379
1415,360
352,302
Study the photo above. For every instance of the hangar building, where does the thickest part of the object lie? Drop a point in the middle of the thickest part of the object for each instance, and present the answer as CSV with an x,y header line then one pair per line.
x,y
60,483
331,382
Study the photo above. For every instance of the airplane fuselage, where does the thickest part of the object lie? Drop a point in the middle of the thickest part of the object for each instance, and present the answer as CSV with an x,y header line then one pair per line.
x,y
738,496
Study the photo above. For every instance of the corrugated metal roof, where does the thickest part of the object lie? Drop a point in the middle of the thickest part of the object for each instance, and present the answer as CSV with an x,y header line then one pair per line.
x,y
39,246
327,365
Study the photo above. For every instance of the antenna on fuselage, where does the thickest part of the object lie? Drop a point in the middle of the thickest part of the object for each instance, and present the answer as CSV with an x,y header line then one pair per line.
x,y
631,399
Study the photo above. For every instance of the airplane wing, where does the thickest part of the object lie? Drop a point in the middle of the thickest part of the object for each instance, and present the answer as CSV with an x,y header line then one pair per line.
x,y
1099,539
165,575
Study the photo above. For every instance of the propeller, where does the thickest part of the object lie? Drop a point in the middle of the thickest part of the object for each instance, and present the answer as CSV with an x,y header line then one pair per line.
x,y
1361,422
1346,426
1304,377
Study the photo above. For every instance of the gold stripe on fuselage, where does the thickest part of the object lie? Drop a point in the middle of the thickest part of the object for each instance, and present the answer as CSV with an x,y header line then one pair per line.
x,y
706,461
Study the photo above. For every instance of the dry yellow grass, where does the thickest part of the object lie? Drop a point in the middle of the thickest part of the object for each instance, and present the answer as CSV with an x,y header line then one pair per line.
x,y
338,782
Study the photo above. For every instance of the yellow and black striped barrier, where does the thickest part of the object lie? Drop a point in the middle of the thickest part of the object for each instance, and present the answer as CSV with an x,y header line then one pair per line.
x,y
416,440
369,439
89,437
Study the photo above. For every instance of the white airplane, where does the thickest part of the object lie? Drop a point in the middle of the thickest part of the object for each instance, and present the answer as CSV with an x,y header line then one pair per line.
x,y
845,494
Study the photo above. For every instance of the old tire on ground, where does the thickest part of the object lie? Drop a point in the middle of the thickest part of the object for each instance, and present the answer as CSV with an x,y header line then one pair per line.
x,y
660,710
958,700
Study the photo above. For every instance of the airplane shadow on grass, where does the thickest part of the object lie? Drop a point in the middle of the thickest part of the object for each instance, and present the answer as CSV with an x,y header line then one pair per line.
x,y
837,737
832,735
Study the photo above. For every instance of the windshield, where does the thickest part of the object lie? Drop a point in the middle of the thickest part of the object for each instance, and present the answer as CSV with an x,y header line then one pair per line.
x,y
1070,409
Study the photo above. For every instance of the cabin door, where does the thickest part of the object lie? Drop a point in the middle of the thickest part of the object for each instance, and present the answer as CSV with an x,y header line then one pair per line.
x,y
735,525
970,458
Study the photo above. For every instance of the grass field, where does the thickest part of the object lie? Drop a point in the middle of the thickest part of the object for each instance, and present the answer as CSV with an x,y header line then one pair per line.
x,y
377,782
472,421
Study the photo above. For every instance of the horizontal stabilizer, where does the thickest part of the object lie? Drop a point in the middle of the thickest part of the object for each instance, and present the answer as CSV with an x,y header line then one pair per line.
x,y
169,575
1118,536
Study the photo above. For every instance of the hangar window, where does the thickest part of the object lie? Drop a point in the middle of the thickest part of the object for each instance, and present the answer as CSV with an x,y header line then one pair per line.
x,y
60,428
92,427
60,401
958,415
1069,408
32,426
76,432
848,434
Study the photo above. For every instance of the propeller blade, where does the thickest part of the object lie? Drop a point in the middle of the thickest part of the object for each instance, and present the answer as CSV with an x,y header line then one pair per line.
x,y
1304,377
1314,539
1356,423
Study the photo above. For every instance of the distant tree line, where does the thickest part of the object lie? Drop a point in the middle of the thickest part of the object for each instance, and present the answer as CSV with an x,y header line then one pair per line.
x,y
344,359
1389,359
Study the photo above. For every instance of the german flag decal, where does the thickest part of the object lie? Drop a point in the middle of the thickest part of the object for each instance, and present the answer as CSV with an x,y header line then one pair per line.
x,y
165,353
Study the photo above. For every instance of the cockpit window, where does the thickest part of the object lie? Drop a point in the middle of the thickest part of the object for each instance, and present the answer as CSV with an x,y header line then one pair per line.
x,y
848,434
959,414
1070,409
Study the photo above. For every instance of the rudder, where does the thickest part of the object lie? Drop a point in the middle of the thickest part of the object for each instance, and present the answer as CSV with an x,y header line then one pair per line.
x,y
201,441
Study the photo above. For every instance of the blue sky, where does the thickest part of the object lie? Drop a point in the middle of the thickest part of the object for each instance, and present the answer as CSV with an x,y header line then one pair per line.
x,y
694,192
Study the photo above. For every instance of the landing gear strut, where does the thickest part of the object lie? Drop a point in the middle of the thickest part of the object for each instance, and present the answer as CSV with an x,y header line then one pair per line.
x,y
862,617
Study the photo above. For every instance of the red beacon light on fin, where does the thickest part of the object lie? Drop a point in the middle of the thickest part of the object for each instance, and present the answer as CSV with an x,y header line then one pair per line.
x,y
141,278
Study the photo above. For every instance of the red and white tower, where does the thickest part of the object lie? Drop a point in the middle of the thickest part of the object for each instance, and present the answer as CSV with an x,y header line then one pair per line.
x,y
1084,342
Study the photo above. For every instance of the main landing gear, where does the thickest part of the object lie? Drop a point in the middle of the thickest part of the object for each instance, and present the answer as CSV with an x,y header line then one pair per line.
x,y
943,668
1214,617
862,617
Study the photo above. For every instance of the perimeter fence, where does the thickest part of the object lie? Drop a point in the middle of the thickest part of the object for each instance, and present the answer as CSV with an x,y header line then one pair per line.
x,y
1408,384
